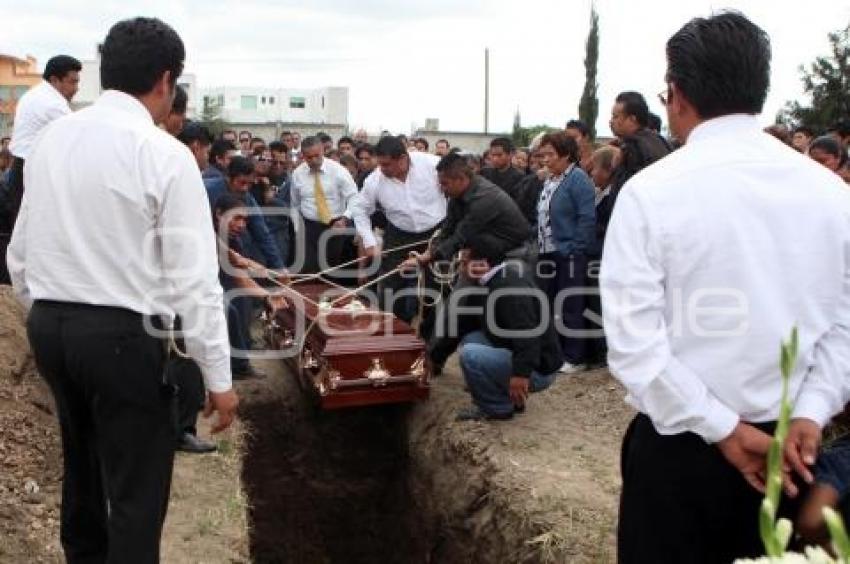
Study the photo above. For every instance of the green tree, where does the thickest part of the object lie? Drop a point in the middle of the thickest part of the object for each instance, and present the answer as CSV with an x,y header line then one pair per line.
x,y
588,106
518,135
827,84
211,117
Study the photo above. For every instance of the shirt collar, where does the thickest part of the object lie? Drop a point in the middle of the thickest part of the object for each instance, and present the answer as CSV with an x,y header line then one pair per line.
x,y
484,280
124,102
731,124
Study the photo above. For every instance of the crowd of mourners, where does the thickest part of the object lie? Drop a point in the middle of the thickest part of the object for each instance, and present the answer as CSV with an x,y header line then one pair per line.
x,y
677,256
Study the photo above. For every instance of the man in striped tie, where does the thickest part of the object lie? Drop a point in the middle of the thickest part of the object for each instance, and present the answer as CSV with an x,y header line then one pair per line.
x,y
322,192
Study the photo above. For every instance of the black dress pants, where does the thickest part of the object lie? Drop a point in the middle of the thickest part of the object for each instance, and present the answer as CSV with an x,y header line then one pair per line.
x,y
116,415
683,503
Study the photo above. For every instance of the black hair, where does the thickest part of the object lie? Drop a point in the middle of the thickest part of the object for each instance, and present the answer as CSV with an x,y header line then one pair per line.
x,y
805,129
423,141
579,125
446,141
227,202
60,65
229,131
244,131
240,166
720,64
634,104
324,137
258,140
345,139
455,164
563,144
390,146
403,138
365,147
181,100
503,142
830,146
309,142
136,53
278,147
654,122
346,159
193,131
219,148
284,133
841,127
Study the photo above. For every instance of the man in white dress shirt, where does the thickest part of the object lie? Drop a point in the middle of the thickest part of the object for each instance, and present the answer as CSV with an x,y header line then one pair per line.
x,y
712,255
113,234
36,109
322,192
406,186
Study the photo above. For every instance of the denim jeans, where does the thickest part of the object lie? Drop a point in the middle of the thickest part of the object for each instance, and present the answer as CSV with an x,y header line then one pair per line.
x,y
488,370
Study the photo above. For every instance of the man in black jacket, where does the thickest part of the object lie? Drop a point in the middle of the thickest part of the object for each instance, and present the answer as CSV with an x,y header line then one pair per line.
x,y
514,351
502,173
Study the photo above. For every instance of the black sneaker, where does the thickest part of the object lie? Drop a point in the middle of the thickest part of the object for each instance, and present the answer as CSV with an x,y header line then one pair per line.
x,y
192,444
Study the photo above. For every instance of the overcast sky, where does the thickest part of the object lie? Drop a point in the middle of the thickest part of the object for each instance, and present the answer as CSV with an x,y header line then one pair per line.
x,y
407,60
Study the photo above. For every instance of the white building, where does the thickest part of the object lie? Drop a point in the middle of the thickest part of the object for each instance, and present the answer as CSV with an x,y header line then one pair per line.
x,y
245,105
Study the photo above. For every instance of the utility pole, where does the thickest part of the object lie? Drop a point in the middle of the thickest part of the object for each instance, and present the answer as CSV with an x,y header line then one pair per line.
x,y
486,89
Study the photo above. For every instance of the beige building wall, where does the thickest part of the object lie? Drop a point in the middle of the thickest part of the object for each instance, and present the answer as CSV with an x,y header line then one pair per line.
x,y
16,77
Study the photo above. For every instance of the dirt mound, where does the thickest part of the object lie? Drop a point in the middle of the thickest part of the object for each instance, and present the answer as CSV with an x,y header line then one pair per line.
x,y
542,487
30,458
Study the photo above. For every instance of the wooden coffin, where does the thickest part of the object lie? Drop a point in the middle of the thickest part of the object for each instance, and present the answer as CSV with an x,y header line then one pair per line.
x,y
352,354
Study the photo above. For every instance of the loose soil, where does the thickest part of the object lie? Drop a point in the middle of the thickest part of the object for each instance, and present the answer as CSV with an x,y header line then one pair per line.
x,y
388,484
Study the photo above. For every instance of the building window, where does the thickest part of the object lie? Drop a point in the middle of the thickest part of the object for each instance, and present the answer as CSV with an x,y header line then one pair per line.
x,y
271,100
323,102
297,102
248,103
263,100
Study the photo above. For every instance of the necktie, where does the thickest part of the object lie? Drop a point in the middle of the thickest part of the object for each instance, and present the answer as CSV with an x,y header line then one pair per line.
x,y
322,209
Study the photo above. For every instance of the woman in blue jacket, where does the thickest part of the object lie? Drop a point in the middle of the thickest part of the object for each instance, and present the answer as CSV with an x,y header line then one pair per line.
x,y
566,223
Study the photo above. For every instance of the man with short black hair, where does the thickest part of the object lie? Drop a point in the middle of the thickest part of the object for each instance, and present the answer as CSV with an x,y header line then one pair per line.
x,y
327,142
240,178
221,151
579,131
712,256
406,187
803,135
654,123
323,193
345,145
501,172
197,138
4,143
245,142
113,240
38,107
441,147
258,147
477,208
421,144
366,161
173,124
229,135
640,146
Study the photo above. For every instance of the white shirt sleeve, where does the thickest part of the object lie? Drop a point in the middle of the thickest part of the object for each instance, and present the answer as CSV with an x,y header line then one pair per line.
x,y
633,302
826,386
16,253
190,265
347,190
362,207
